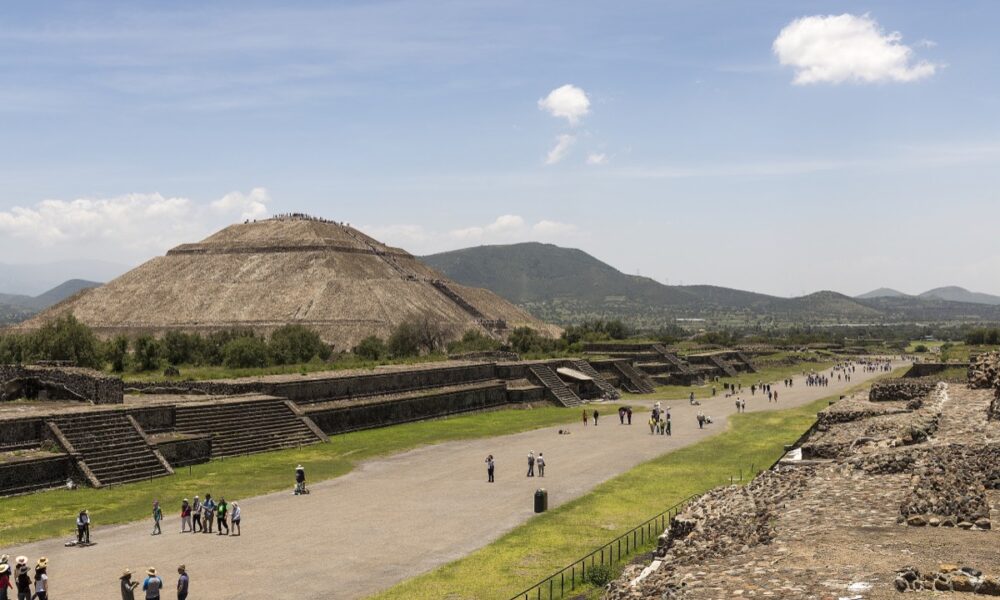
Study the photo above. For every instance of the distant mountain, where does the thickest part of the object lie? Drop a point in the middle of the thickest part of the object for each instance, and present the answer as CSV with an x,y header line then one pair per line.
x,y
15,308
565,285
958,294
35,279
883,292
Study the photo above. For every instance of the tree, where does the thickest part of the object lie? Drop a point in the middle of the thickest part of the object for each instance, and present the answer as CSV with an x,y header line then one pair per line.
x,y
473,340
371,348
116,353
181,348
64,338
405,340
146,350
293,344
11,349
245,352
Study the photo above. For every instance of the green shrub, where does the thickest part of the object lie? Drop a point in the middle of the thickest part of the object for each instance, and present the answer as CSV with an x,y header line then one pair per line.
x,y
245,352
473,341
181,348
64,338
405,340
920,348
371,348
146,350
293,344
11,349
116,353
599,575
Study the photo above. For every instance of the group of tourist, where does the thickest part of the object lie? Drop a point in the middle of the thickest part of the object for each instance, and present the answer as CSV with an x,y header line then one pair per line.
x,y
586,417
23,578
199,516
153,584
533,462
659,421
625,412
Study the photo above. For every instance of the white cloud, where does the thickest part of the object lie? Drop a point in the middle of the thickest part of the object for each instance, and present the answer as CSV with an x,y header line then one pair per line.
x,y
558,152
126,228
839,48
505,229
567,102
504,225
597,158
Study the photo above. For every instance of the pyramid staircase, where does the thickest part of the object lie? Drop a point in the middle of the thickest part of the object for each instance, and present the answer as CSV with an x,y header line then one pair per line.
x,y
726,367
109,447
746,359
672,358
454,296
556,386
632,380
587,369
248,426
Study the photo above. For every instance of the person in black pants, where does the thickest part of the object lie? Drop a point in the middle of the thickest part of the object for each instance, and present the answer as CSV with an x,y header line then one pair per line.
x,y
490,466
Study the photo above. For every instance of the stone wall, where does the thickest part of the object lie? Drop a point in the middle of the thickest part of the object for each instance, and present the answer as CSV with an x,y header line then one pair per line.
x,y
155,419
188,450
984,373
390,412
899,389
30,474
16,434
59,383
931,369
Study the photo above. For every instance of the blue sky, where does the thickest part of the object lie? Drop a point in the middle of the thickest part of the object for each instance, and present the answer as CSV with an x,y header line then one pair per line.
x,y
716,142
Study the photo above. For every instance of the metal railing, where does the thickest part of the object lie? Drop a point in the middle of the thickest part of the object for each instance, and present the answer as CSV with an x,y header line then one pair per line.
x,y
567,579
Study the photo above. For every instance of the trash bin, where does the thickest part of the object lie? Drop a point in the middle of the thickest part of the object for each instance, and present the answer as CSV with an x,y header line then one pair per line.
x,y
541,500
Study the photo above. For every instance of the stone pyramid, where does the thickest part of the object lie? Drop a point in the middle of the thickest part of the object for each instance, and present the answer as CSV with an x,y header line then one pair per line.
x,y
292,269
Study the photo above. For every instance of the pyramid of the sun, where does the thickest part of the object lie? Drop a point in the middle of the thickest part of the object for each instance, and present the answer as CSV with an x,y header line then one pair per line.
x,y
265,274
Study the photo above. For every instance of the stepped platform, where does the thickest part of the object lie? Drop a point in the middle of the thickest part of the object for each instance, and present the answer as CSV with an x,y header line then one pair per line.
x,y
246,425
108,446
587,369
633,380
556,386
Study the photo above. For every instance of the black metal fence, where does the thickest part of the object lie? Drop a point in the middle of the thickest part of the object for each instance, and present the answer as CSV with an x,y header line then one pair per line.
x,y
641,537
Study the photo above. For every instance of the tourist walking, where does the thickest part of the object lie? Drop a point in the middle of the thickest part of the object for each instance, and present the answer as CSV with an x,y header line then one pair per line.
x,y
596,414
157,517
585,417
237,515
196,515
701,421
182,583
5,580
152,584
42,579
490,467
127,585
743,405
83,527
186,516
531,464
667,423
221,522
541,465
628,413
22,581
621,415
208,509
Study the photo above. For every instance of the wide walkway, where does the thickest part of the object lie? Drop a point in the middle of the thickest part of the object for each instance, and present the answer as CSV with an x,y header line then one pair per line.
x,y
389,520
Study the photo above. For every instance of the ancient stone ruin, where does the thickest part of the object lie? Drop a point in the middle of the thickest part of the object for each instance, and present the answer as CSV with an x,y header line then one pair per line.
x,y
896,491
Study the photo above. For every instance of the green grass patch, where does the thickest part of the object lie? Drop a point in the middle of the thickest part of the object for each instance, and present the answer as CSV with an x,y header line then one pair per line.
x,y
552,540
53,513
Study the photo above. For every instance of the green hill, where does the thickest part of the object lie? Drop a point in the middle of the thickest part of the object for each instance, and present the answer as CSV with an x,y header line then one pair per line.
x,y
565,285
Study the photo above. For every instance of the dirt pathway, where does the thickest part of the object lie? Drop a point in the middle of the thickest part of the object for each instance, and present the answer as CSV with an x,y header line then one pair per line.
x,y
390,519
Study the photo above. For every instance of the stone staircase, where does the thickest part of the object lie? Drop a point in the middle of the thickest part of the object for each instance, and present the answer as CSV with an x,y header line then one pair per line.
x,y
108,447
632,380
247,426
587,369
726,367
743,357
548,378
672,358
455,297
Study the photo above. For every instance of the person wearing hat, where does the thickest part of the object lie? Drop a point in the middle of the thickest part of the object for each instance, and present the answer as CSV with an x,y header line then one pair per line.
x,y
4,579
182,583
42,579
152,584
196,514
300,480
237,515
208,507
128,586
186,516
23,581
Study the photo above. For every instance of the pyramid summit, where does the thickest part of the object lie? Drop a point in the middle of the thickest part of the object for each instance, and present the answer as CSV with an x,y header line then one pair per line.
x,y
290,269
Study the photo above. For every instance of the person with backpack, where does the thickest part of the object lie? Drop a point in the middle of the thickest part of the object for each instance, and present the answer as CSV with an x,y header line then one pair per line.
x,y
152,584
208,508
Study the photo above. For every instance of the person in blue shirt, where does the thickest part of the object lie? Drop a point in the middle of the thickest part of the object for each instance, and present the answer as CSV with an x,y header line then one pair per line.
x,y
152,584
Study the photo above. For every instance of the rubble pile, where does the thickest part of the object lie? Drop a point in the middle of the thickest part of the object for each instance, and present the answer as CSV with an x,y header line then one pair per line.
x,y
948,578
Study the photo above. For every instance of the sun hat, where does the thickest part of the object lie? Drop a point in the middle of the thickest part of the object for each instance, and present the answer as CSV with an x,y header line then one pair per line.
x,y
4,558
42,563
22,560
181,568
151,571
126,573
4,567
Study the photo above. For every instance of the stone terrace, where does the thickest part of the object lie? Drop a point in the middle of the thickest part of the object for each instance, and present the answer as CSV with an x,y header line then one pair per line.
x,y
903,498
